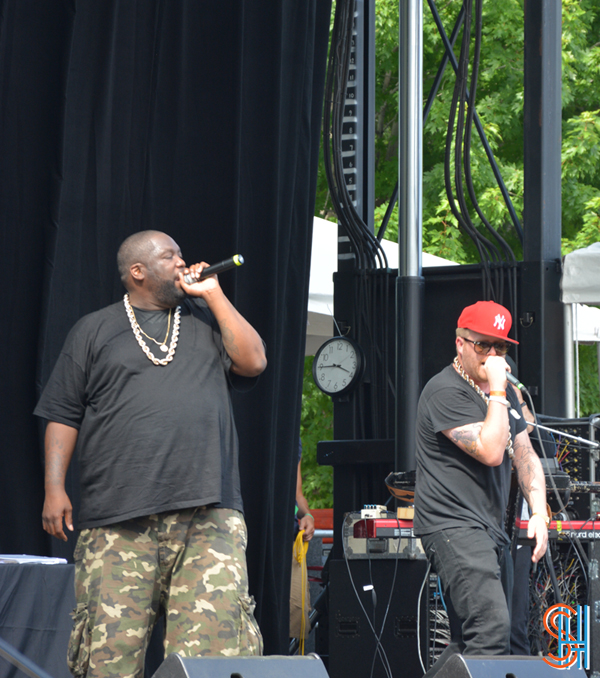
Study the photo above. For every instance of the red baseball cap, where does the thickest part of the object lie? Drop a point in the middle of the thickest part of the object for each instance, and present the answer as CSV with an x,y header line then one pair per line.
x,y
489,318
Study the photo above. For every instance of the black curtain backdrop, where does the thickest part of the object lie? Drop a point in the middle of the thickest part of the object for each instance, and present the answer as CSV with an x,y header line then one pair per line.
x,y
197,118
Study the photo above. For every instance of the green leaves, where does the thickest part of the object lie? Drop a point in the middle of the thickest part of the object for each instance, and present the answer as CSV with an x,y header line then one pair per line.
x,y
316,424
500,107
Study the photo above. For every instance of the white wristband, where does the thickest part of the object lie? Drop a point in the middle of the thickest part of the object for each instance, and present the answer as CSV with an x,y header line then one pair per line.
x,y
499,399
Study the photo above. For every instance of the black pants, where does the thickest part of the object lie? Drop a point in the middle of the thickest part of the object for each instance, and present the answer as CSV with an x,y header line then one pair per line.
x,y
519,640
477,578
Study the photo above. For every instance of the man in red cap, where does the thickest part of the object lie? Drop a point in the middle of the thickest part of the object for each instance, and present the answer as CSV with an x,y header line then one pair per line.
x,y
470,433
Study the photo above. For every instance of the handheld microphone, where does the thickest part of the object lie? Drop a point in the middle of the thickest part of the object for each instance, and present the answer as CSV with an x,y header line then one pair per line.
x,y
515,382
233,262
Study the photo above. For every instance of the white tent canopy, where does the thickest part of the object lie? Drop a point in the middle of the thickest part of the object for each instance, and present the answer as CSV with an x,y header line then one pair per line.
x,y
580,285
323,264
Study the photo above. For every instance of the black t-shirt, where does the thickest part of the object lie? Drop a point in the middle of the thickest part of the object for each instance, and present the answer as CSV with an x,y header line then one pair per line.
x,y
452,488
152,438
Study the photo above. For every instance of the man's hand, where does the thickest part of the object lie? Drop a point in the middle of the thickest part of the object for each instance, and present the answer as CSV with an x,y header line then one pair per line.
x,y
307,523
240,339
496,367
537,529
198,289
56,507
60,443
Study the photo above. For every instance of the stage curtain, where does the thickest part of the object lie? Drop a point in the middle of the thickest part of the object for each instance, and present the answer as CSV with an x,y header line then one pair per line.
x,y
196,118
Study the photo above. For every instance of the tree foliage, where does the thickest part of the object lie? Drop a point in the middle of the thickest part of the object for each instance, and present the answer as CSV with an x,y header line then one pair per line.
x,y
316,424
500,108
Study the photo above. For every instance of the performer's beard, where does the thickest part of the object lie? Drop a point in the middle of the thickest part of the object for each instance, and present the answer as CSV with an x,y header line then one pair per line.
x,y
168,293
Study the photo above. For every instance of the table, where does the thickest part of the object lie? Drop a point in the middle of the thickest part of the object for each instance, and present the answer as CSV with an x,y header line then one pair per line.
x,y
35,605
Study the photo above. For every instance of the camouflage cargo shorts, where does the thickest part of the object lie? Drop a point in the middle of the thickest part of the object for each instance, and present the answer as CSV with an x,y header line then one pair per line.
x,y
189,564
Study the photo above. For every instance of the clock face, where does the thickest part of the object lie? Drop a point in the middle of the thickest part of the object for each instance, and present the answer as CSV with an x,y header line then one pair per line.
x,y
337,367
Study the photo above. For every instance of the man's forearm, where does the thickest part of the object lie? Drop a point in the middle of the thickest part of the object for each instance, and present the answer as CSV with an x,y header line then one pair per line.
x,y
530,474
59,446
241,341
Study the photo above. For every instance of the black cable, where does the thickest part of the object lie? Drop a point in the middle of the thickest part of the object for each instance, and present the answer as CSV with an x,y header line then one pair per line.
x,y
379,648
388,213
366,246
457,104
392,589
425,581
430,99
479,126
442,67
552,573
467,145
575,538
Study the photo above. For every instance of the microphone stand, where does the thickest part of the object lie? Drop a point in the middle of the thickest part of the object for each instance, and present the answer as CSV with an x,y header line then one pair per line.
x,y
591,443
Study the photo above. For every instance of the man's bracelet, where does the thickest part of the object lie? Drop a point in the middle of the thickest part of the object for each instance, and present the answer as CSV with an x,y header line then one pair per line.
x,y
498,393
542,515
499,399
309,514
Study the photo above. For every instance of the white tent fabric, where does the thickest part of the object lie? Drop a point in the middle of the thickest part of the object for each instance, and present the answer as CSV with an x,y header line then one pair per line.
x,y
587,324
580,283
323,264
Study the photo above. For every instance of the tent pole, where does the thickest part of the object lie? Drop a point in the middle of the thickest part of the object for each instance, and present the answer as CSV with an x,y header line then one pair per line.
x,y
569,362
576,338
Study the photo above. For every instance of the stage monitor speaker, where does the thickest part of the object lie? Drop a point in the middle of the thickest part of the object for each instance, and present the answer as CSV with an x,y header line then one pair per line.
x,y
374,618
176,666
511,666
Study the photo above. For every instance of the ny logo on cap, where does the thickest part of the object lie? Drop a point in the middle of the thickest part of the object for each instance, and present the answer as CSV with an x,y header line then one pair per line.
x,y
499,321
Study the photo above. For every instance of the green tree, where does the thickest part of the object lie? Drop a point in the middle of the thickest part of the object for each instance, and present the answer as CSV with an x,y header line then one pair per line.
x,y
316,424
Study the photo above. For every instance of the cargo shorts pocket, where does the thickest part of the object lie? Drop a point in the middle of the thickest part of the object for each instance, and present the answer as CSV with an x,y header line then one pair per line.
x,y
78,652
250,640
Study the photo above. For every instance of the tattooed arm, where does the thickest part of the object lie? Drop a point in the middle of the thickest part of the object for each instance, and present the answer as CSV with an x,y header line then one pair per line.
x,y
533,486
59,446
484,440
241,341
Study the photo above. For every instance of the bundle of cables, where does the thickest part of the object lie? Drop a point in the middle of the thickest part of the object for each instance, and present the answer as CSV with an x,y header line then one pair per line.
x,y
371,289
492,250
367,248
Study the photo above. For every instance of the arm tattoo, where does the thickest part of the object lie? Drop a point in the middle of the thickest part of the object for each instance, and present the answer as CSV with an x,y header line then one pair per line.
x,y
57,461
467,438
229,340
526,470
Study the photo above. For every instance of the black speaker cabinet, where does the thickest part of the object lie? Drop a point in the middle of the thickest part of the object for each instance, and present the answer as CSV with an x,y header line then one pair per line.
x,y
512,666
391,608
176,666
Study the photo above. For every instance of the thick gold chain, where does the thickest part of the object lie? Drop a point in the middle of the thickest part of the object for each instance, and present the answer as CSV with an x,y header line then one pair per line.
x,y
137,331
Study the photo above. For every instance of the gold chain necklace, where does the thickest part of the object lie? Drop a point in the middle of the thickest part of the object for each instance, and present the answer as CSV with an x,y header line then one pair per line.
x,y
137,331
459,368
163,345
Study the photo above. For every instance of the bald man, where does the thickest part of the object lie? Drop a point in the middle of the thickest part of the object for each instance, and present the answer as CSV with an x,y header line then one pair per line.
x,y
141,390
